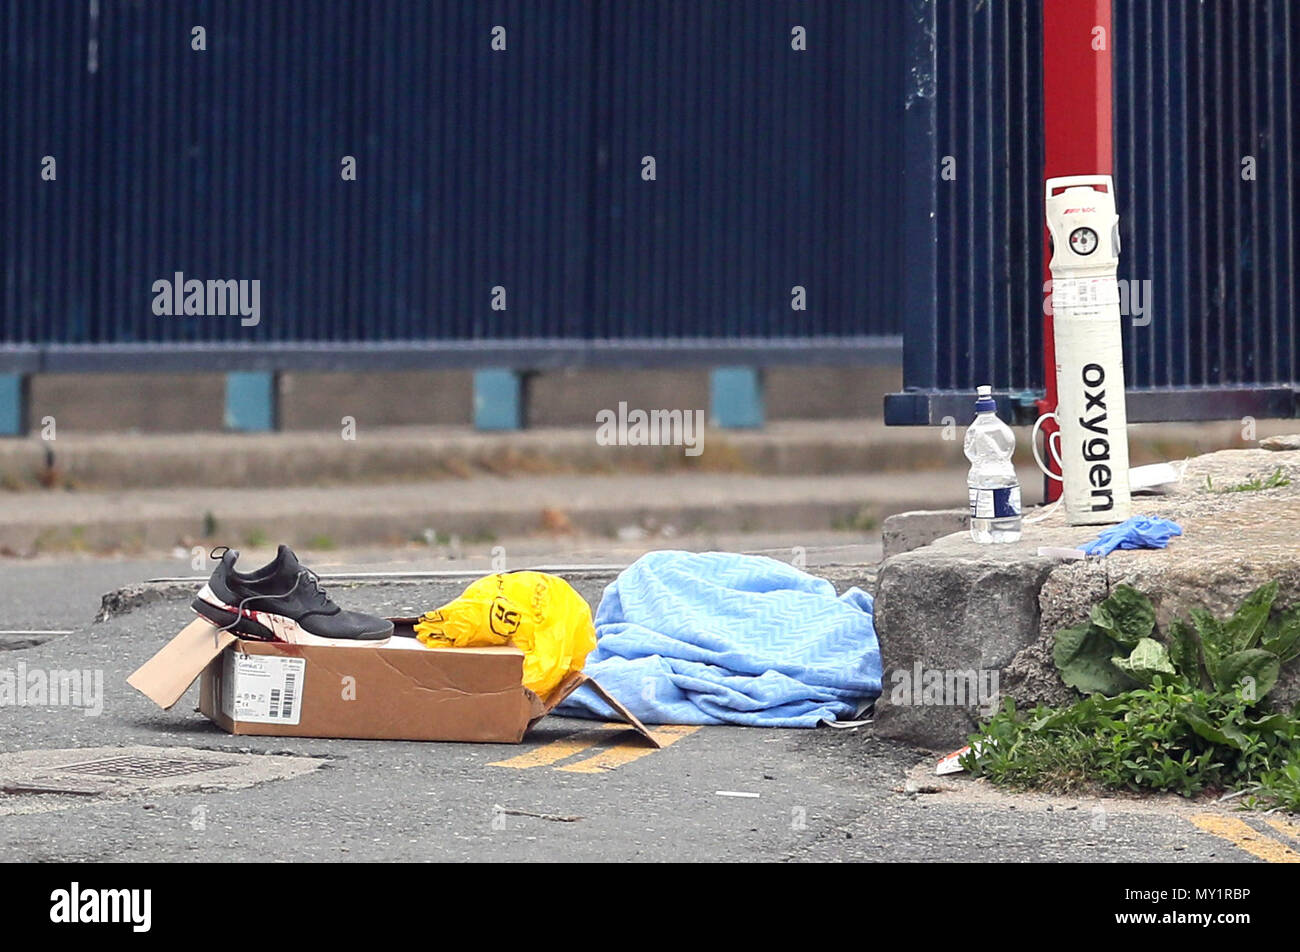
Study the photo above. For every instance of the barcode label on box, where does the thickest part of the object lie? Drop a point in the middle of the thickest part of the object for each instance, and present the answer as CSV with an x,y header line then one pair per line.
x,y
262,689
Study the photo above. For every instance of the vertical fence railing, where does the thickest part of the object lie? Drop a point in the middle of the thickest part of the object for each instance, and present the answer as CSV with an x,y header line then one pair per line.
x,y
972,205
1205,140
476,169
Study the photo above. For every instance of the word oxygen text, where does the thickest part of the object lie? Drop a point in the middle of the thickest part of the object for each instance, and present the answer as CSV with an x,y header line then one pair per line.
x,y
1096,449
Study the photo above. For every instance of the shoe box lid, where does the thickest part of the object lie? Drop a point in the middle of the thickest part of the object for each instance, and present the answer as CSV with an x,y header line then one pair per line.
x,y
401,691
166,676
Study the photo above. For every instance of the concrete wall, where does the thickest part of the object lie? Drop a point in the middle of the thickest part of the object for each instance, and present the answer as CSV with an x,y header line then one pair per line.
x,y
148,403
408,398
172,403
822,393
572,397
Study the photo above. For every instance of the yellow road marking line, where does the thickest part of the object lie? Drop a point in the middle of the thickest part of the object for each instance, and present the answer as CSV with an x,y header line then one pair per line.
x,y
1285,827
558,750
629,750
1245,837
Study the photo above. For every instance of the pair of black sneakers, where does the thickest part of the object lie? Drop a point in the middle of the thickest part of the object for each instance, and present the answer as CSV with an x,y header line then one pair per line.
x,y
283,601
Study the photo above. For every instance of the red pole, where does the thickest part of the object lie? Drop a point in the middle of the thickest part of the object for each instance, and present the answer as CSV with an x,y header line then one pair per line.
x,y
1077,133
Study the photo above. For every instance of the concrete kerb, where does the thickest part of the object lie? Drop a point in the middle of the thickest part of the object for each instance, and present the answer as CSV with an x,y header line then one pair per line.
x,y
85,460
954,611
906,531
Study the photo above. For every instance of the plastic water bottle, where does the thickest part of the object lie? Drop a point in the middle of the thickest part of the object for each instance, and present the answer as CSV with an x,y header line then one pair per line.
x,y
992,483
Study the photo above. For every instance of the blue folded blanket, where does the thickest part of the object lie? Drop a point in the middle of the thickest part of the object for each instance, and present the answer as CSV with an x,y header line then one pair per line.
x,y
719,638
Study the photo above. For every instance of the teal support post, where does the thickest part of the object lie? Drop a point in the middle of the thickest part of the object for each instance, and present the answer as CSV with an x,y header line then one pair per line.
x,y
736,397
498,400
13,404
252,402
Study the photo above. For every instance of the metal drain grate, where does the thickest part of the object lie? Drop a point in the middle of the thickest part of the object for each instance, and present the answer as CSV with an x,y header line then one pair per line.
x,y
141,767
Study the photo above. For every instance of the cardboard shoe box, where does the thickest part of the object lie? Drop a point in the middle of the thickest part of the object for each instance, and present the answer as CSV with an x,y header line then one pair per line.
x,y
402,691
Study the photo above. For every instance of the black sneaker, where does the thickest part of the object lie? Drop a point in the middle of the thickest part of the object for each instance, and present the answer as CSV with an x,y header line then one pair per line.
x,y
283,602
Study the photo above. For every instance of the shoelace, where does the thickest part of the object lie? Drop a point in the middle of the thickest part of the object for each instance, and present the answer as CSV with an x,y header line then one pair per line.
x,y
252,598
317,590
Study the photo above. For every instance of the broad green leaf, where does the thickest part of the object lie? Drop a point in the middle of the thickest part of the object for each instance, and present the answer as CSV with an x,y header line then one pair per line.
x,y
1077,712
1224,734
1277,723
1254,670
1068,642
1147,660
1127,616
1213,638
1183,652
1082,654
1282,636
1111,705
1247,622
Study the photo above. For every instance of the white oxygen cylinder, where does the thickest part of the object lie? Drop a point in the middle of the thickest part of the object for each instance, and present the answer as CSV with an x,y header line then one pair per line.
x,y
1089,349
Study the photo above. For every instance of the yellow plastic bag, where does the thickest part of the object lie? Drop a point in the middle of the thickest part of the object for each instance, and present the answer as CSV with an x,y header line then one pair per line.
x,y
541,615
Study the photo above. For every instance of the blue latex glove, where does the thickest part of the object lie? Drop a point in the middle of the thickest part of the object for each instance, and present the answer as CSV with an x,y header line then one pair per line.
x,y
1139,532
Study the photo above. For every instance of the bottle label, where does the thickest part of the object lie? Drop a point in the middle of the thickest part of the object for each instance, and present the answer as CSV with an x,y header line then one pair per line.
x,y
994,503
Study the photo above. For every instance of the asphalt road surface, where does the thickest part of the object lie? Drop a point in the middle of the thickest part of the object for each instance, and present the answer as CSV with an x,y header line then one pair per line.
x,y
573,790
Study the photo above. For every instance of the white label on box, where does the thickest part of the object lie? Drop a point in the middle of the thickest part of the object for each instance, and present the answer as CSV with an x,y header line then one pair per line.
x,y
262,689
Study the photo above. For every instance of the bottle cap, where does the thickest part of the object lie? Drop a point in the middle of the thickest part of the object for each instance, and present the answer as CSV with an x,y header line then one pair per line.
x,y
984,400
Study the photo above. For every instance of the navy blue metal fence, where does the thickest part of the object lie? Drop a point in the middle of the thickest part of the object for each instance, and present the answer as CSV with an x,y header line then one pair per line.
x,y
973,205
1206,135
475,169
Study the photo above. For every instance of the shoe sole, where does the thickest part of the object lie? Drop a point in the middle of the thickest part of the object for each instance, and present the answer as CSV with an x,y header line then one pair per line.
x,y
267,626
